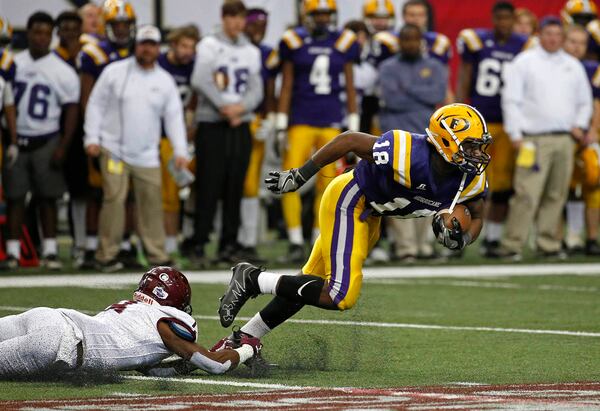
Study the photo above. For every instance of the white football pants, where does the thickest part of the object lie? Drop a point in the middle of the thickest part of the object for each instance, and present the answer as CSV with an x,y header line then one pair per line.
x,y
35,342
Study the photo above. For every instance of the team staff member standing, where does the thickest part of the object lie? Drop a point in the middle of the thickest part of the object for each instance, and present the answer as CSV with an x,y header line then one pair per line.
x,y
229,86
123,127
45,88
546,103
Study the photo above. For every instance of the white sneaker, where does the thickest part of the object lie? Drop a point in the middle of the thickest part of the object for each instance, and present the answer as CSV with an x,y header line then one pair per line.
x,y
51,262
379,255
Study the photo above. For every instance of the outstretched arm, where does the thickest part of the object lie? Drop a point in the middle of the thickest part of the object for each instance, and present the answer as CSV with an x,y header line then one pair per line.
x,y
360,144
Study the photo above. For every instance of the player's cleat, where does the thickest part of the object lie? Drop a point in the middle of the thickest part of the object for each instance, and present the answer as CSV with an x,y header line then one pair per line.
x,y
295,255
241,287
259,367
129,258
592,248
51,262
111,266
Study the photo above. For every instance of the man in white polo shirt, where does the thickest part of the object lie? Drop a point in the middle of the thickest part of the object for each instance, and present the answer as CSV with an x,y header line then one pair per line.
x,y
547,105
123,127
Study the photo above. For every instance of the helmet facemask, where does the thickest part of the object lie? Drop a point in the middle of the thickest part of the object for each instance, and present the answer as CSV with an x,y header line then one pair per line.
x,y
472,156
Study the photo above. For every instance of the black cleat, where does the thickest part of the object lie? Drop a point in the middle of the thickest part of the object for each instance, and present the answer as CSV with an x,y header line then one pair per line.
x,y
241,287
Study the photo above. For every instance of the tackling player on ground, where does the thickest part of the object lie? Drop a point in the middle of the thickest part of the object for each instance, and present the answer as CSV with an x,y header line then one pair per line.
x,y
133,334
484,52
401,174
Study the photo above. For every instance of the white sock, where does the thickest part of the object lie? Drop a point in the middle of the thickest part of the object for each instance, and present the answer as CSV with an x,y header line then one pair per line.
x,y
316,232
91,243
78,208
49,247
295,235
493,230
13,248
248,231
267,282
575,216
171,244
256,327
125,245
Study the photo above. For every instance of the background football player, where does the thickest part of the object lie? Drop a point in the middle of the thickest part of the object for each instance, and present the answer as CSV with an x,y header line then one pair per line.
x,y
179,62
134,334
584,13
449,160
261,128
585,184
119,18
7,72
484,52
314,58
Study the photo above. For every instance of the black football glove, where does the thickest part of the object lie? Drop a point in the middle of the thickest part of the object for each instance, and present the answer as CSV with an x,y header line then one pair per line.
x,y
284,181
452,238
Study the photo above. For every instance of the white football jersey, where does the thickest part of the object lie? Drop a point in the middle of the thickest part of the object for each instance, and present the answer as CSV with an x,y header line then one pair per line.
x,y
42,87
125,335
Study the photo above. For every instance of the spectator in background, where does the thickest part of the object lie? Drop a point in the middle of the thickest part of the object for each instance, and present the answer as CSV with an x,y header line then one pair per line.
x,y
179,62
546,103
484,53
584,191
119,18
46,87
123,128
262,127
411,86
526,22
227,79
8,70
92,27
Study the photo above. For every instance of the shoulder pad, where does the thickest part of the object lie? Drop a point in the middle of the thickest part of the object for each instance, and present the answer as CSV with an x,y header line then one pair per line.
x,y
87,38
471,39
401,157
441,44
388,39
474,188
292,39
345,40
96,53
593,28
596,78
6,60
272,61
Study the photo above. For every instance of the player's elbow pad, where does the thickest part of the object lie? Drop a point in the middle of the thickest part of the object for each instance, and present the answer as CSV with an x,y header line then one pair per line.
x,y
208,365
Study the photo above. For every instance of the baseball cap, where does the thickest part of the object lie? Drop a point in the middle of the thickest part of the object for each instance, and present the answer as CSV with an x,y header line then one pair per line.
x,y
147,33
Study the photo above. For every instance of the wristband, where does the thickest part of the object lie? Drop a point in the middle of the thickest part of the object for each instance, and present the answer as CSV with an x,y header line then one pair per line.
x,y
309,169
245,352
281,121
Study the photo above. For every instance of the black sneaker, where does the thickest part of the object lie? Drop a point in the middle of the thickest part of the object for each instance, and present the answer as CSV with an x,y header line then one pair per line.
x,y
11,263
251,255
490,249
111,266
295,255
241,287
592,248
89,260
52,263
187,248
129,258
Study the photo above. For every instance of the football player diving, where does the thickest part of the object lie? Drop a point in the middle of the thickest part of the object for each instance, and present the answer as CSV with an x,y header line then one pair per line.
x,y
133,334
401,174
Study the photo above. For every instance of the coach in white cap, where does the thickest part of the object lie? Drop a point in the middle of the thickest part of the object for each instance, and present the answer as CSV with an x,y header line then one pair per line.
x,y
123,127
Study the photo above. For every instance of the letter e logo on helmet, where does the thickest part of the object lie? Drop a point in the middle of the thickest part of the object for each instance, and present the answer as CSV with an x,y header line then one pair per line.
x,y
456,124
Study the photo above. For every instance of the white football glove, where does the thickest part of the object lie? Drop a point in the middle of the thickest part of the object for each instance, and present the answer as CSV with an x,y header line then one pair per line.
x,y
284,181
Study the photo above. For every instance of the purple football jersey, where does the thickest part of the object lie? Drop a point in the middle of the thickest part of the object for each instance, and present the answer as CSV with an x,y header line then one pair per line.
x,y
182,74
93,57
592,69
488,57
318,71
401,181
8,69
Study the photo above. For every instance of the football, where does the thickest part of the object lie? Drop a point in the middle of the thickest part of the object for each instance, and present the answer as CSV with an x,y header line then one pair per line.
x,y
461,213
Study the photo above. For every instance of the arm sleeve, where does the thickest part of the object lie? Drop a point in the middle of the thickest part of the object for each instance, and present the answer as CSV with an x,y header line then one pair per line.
x,y
254,93
584,100
96,107
433,90
512,98
173,118
202,77
208,365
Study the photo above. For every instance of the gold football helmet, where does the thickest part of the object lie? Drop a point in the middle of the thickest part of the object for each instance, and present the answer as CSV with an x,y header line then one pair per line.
x,y
459,133
6,31
379,14
115,11
579,12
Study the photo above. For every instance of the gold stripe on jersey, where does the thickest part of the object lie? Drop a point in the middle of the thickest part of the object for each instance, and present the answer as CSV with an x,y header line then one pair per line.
x,y
96,53
346,39
440,45
389,40
593,28
401,160
292,39
272,60
86,38
475,187
6,60
596,78
471,39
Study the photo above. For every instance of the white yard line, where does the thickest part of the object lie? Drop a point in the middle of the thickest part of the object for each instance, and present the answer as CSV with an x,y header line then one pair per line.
x,y
229,383
97,280
487,284
385,325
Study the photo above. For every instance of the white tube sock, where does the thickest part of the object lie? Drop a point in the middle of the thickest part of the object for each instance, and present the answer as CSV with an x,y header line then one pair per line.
x,y
295,235
49,247
91,243
171,244
256,327
493,230
13,248
267,282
